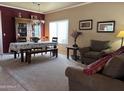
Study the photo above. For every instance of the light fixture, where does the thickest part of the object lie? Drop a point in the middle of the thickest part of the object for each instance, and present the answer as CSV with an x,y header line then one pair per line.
x,y
38,21
121,35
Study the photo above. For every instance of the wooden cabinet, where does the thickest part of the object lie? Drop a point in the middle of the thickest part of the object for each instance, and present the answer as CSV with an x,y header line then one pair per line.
x,y
23,28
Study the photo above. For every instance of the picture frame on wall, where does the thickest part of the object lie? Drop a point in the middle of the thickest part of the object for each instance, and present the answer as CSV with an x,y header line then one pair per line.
x,y
105,26
86,24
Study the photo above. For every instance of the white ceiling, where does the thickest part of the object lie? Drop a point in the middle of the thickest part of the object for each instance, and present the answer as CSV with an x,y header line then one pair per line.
x,y
44,7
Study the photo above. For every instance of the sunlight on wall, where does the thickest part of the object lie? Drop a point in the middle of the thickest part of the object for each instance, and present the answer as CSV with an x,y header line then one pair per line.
x,y
116,44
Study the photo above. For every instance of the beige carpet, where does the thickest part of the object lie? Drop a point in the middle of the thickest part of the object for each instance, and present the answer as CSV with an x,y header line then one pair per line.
x,y
8,83
43,74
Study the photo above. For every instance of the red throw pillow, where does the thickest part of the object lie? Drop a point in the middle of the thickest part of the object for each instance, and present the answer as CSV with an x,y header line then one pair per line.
x,y
99,64
96,66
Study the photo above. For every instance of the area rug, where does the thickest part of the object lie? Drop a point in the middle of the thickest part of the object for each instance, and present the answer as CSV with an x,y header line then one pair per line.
x,y
45,73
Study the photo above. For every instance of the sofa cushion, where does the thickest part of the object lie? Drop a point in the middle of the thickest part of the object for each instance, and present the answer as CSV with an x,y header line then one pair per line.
x,y
97,45
115,68
93,54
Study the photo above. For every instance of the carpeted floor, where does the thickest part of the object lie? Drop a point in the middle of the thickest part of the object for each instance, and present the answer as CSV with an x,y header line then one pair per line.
x,y
43,74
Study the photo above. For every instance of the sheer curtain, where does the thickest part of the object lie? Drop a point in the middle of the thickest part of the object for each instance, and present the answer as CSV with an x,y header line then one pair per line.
x,y
59,29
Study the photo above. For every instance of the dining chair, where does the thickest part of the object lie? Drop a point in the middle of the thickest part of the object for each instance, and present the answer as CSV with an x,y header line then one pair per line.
x,y
54,39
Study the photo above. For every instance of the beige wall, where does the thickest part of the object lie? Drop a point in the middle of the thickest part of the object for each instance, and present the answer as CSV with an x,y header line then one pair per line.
x,y
95,11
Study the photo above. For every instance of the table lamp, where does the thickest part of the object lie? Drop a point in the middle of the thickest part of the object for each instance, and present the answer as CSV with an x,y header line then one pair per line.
x,y
121,35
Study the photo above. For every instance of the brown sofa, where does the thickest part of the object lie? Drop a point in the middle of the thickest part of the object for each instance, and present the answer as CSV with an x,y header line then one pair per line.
x,y
107,80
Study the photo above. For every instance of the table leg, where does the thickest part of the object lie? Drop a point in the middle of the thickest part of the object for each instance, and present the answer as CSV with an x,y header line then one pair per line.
x,y
27,55
75,54
56,52
15,55
22,55
67,53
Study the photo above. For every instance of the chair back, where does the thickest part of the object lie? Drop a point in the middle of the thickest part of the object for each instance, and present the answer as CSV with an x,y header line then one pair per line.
x,y
55,39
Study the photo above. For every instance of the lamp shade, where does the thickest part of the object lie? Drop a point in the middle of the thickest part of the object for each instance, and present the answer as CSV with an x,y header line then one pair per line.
x,y
120,34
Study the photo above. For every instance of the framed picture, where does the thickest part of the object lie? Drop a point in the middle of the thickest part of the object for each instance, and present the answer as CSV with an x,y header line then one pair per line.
x,y
85,24
106,26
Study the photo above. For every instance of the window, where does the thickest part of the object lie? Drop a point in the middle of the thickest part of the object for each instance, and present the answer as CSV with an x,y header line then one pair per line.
x,y
37,30
59,29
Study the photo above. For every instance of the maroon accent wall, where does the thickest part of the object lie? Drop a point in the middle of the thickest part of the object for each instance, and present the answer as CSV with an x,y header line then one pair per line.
x,y
8,24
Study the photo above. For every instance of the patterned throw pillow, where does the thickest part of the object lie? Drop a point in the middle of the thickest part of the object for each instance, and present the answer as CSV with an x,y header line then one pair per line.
x,y
99,64
96,66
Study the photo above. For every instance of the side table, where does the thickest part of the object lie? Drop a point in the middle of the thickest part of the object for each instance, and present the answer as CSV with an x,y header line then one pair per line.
x,y
75,49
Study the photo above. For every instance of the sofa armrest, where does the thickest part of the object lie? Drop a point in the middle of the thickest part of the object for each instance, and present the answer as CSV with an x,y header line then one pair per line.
x,y
94,82
107,51
84,50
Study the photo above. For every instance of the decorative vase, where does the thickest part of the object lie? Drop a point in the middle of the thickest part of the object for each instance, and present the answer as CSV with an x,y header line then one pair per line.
x,y
75,45
20,15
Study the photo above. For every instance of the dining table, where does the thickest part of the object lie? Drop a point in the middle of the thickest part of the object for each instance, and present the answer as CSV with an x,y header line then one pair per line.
x,y
22,47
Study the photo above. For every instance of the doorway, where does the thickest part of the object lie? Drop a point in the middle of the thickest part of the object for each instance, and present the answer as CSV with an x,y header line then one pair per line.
x,y
1,37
